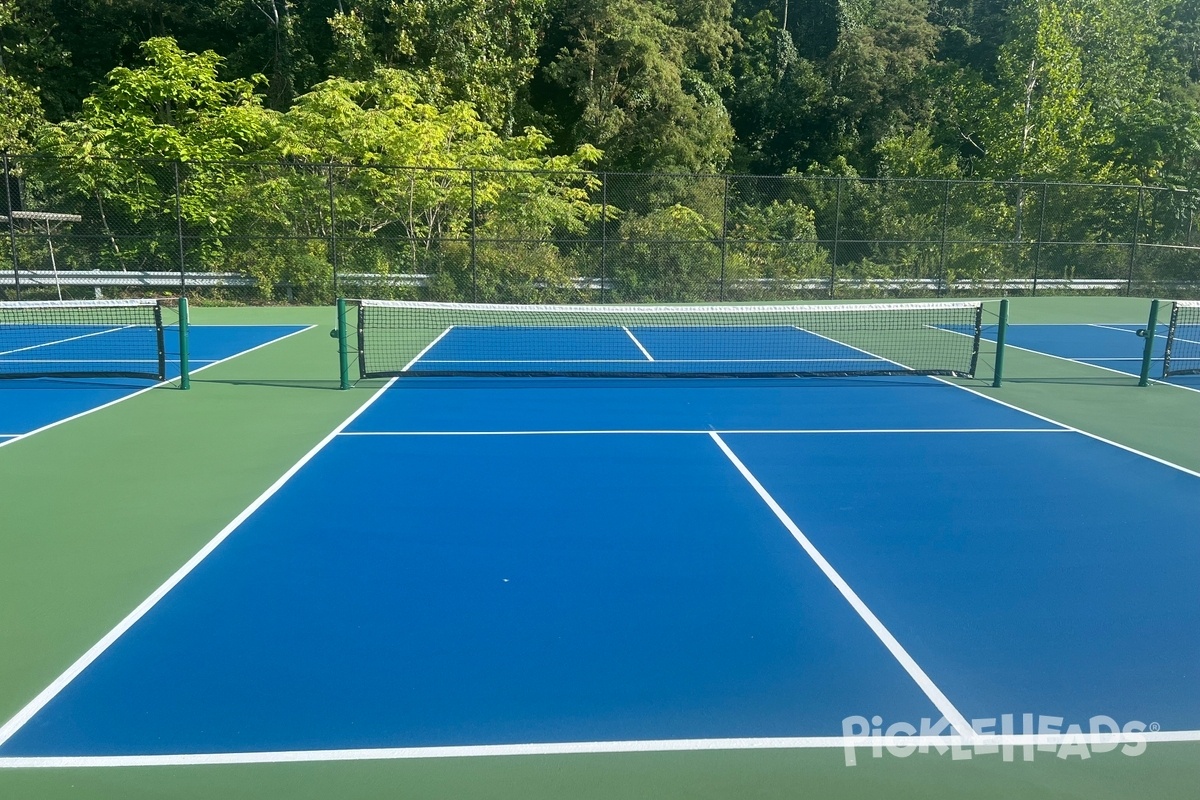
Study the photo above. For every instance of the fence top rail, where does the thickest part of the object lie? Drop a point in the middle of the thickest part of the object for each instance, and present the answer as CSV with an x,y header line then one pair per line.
x,y
16,159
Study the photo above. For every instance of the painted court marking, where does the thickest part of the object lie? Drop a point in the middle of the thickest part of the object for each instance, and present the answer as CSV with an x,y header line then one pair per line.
x,y
1121,372
709,431
939,743
640,346
123,398
50,692
68,339
940,701
428,347
965,737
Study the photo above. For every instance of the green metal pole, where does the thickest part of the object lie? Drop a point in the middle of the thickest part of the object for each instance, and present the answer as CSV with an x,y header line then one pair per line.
x,y
1148,350
343,337
1001,332
185,377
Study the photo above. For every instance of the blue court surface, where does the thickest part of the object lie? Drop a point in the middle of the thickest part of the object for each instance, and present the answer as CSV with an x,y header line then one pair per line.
x,y
27,405
1113,347
574,565
640,349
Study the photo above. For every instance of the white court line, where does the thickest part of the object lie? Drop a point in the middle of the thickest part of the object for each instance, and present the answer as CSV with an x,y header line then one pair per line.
x,y
68,339
658,361
939,700
645,352
125,397
174,360
1156,335
938,744
1122,372
708,431
1052,421
1115,328
428,347
46,695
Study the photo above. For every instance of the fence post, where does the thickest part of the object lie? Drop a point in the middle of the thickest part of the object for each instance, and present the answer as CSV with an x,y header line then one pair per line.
x,y
12,227
179,233
1137,230
474,244
837,233
1037,246
724,234
603,235
333,248
945,220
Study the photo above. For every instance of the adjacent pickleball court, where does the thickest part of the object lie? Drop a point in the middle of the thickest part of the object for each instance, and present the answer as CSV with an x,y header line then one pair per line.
x,y
59,361
1121,347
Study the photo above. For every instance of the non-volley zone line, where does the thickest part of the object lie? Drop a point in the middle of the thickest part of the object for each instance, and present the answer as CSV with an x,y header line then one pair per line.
x,y
982,743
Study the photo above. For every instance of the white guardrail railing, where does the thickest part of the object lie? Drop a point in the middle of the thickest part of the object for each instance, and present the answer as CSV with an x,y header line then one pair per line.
x,y
99,280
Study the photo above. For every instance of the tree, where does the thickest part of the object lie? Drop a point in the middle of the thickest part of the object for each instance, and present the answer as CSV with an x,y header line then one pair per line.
x,y
637,74
20,108
174,108
480,51
883,50
412,172
778,101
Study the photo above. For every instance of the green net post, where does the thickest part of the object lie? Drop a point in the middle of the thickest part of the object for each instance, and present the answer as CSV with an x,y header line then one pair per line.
x,y
185,377
1148,350
1001,332
343,337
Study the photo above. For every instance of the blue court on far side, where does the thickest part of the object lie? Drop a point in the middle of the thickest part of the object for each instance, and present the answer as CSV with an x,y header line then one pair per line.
x,y
29,404
582,564
1114,347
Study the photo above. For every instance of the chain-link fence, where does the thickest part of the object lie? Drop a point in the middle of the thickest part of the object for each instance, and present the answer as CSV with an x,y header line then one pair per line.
x,y
304,233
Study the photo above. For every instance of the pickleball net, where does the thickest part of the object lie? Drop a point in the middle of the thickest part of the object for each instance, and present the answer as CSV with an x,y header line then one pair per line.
x,y
1182,355
83,339
403,338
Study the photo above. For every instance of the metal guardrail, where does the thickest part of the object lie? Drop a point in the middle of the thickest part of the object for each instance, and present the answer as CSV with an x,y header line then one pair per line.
x,y
99,280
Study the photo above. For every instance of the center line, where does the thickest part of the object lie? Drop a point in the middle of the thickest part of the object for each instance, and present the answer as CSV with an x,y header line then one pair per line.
x,y
952,714
645,352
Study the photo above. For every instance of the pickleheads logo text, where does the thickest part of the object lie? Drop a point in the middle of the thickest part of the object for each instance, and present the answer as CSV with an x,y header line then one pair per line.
x,y
1010,736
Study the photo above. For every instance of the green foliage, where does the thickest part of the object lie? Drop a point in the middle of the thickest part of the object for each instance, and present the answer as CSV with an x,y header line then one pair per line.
x,y
20,107
667,255
773,247
631,70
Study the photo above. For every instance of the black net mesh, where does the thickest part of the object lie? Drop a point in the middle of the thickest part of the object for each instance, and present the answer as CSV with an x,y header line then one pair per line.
x,y
1183,341
413,338
68,339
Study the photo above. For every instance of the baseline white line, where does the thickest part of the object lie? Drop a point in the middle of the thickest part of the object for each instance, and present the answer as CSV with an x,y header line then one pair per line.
x,y
125,397
428,347
46,695
645,352
943,704
938,743
707,431
69,339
